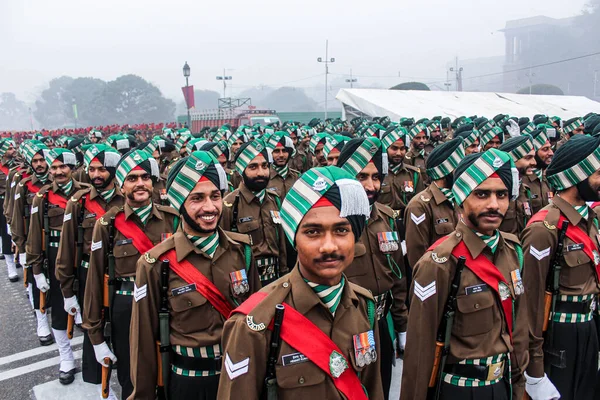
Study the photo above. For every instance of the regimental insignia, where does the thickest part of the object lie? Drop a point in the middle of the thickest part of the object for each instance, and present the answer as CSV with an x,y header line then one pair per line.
x,y
227,204
38,194
259,147
74,199
504,291
319,184
439,260
549,226
200,166
137,157
103,222
425,199
94,150
497,162
596,257
337,364
149,259
253,326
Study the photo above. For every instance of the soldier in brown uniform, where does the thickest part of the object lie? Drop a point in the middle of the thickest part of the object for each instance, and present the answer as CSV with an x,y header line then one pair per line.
x,y
223,264
431,215
302,161
564,351
328,345
491,138
470,137
82,211
489,337
23,198
138,226
378,264
7,151
417,137
47,212
254,210
434,131
541,193
281,176
570,128
519,211
316,145
333,147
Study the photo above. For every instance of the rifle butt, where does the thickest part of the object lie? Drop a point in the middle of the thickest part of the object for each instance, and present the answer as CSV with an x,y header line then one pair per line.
x,y
106,379
105,292
547,309
43,302
159,375
439,348
70,325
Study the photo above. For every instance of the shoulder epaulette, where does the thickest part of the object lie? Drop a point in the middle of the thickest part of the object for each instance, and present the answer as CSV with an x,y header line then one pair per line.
x,y
386,210
359,290
239,237
167,209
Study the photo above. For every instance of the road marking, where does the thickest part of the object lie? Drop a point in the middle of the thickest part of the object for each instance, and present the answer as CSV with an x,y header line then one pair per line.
x,y
36,352
26,369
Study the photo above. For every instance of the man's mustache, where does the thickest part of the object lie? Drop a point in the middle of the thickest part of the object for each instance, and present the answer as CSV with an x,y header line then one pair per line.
x,y
330,257
491,214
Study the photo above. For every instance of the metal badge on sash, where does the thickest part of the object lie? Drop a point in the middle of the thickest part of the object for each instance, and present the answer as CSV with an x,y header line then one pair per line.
x,y
504,291
408,186
388,241
517,282
165,236
527,208
364,348
239,282
276,217
163,194
550,196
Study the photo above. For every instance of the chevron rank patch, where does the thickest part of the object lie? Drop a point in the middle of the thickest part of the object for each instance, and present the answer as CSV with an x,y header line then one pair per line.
x,y
539,254
96,245
236,369
67,217
425,292
419,219
139,292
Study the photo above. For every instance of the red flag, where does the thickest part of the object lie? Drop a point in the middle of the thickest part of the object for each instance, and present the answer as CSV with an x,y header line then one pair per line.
x,y
188,94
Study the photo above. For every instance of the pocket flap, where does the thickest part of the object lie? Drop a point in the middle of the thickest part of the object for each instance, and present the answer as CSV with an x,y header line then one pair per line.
x,y
245,227
187,301
475,302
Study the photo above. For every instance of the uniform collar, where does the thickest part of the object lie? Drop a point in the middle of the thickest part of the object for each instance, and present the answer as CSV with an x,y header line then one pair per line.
x,y
129,211
247,194
94,193
56,189
474,243
184,246
375,214
568,210
437,194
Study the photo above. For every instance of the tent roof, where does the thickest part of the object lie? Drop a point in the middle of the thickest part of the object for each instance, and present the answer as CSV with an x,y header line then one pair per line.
x,y
425,104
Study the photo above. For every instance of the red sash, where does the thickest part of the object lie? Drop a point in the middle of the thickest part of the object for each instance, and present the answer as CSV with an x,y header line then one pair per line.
x,y
31,187
131,231
595,204
304,336
4,169
488,273
94,207
204,286
57,200
576,234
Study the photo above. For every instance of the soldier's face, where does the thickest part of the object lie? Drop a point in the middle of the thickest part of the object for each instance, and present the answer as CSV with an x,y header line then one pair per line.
x,y
39,165
545,153
492,144
332,157
526,164
294,138
236,145
138,187
325,245
98,174
419,141
280,156
369,178
473,148
204,205
60,172
396,152
319,154
94,139
10,152
486,206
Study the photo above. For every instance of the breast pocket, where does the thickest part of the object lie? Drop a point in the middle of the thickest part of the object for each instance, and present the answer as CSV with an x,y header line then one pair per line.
x,y
357,268
55,217
475,314
252,228
191,312
442,228
578,269
88,228
126,256
300,381
385,195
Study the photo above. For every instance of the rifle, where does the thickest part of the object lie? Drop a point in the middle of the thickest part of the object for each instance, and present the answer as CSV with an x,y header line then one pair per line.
x,y
556,358
442,343
78,259
270,384
164,343
45,239
109,294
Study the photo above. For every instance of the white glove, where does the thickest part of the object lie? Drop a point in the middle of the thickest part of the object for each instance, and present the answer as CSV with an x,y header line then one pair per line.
x,y
41,283
541,388
23,259
72,306
513,128
401,340
102,351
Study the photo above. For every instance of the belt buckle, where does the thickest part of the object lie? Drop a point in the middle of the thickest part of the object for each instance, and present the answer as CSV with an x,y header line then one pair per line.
x,y
495,371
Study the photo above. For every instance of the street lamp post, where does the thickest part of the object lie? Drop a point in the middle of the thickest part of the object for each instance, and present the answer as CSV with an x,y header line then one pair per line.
x,y
186,73
327,61
351,80
224,78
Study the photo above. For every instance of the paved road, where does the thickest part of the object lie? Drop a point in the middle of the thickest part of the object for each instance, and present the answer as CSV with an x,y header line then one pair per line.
x,y
30,371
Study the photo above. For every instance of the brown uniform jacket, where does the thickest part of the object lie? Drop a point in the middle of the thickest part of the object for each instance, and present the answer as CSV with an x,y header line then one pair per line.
x,y
22,200
371,267
282,186
159,193
34,247
258,221
428,217
12,180
302,380
235,179
541,194
398,189
66,258
518,213
194,322
415,159
80,175
302,161
160,222
577,274
3,180
479,328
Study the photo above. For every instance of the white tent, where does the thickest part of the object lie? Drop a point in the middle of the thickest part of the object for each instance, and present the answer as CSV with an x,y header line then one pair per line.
x,y
426,104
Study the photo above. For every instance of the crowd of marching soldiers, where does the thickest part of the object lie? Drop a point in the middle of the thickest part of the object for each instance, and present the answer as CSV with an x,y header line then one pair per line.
x,y
301,261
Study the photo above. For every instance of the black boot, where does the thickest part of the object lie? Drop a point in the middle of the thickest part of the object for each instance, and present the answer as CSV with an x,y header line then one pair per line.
x,y
46,340
66,378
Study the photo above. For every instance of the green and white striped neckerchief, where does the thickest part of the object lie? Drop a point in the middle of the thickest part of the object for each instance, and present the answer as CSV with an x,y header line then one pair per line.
x,y
107,194
490,241
43,178
281,171
538,172
395,168
260,195
582,210
421,153
143,212
206,244
449,195
66,188
329,295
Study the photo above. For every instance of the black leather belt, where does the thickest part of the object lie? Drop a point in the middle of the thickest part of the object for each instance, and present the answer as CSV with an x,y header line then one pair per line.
x,y
568,307
481,372
124,286
196,363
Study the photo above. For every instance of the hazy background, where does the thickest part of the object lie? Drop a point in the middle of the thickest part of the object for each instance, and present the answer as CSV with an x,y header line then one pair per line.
x,y
264,45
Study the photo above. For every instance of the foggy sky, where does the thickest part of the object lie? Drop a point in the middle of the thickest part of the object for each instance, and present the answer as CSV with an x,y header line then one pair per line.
x,y
263,42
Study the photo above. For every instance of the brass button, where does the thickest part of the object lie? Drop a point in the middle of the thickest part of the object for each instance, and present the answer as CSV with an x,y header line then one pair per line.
x,y
189,303
124,253
301,380
477,306
458,234
285,284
